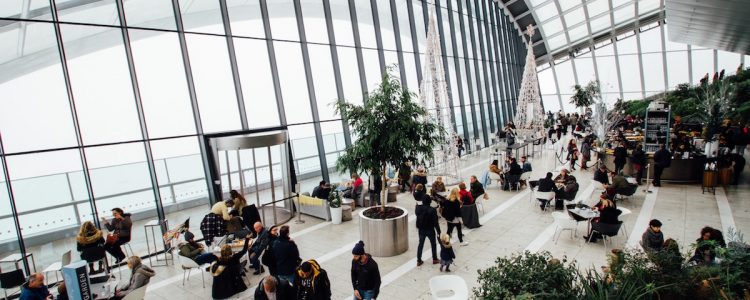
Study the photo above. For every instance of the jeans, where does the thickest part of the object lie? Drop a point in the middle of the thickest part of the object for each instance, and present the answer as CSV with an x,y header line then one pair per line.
x,y
457,226
205,258
255,261
426,234
366,295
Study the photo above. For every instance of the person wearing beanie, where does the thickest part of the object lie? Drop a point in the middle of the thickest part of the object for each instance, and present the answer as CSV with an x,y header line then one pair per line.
x,y
192,250
652,239
312,282
427,225
365,274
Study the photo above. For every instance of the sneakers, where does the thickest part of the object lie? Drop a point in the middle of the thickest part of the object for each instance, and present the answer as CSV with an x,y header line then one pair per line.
x,y
462,244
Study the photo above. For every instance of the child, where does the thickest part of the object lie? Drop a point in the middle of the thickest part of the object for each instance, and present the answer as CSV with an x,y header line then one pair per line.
x,y
446,252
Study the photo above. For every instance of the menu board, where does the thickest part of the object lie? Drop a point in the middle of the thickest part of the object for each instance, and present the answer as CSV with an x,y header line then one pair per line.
x,y
657,129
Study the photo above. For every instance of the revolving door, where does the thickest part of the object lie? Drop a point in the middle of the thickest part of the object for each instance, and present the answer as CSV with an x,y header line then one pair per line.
x,y
257,166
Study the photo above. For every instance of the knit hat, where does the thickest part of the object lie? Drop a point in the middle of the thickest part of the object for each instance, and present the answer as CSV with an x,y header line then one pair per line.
x,y
359,248
189,236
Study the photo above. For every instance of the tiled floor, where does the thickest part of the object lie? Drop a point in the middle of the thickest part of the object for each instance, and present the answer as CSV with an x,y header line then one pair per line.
x,y
511,224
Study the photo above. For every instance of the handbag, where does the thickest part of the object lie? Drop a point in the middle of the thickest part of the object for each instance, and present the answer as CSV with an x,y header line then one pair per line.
x,y
112,238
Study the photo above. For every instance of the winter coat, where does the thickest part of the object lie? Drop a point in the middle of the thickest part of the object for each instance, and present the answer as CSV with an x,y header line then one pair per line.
x,y
287,256
284,290
366,276
91,246
652,241
451,209
139,277
446,253
227,275
121,227
314,287
621,155
476,189
427,219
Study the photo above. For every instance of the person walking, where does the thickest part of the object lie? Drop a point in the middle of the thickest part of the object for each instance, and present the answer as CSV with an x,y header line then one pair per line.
x,y
286,254
452,213
662,160
427,226
365,274
312,282
585,153
572,153
446,253
638,159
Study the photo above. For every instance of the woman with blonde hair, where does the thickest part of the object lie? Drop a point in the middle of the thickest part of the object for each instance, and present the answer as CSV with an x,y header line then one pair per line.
x,y
451,211
239,201
90,244
227,272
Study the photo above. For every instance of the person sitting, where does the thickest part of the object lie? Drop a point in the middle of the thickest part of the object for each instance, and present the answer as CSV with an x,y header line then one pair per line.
x,y
619,184
238,200
355,187
35,289
652,239
322,190
272,288
194,251
221,209
513,174
139,277
62,292
419,177
438,187
564,176
601,175
235,223
227,272
120,229
475,187
494,168
525,165
545,185
90,243
705,251
464,195
608,214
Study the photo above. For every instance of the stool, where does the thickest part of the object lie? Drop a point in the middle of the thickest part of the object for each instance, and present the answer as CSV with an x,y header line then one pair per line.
x,y
348,202
128,250
346,213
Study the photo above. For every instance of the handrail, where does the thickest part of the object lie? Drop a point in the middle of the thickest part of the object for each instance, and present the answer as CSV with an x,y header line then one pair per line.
x,y
292,210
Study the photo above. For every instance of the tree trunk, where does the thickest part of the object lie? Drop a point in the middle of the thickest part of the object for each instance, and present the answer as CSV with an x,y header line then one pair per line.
x,y
383,190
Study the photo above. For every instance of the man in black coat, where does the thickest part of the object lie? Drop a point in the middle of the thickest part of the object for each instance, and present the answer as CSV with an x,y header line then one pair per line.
x,y
287,255
475,187
272,288
365,274
322,190
662,160
427,224
621,156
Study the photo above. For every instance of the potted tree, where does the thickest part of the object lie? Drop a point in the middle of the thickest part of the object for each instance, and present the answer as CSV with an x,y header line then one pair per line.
x,y
391,129
334,203
585,96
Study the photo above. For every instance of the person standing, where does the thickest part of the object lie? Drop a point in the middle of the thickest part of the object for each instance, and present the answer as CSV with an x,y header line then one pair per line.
x,y
572,153
119,229
365,274
312,282
375,186
427,226
459,146
585,153
621,155
638,159
286,253
446,253
452,213
475,188
662,160
652,239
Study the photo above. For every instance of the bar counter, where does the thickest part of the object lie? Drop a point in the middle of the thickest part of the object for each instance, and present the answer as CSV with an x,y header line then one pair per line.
x,y
681,170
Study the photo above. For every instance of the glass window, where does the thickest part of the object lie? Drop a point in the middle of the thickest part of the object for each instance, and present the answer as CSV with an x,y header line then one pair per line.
x,y
653,73
547,82
257,84
316,30
420,25
585,70
624,14
386,25
607,74
671,46
372,68
551,103
98,73
402,9
565,78
651,40
646,6
597,7
305,150
162,84
103,12
411,72
546,12
157,14
38,9
342,22
350,80
323,78
333,141
282,19
214,84
577,33
728,62
557,41
245,18
8,234
365,24
627,45
51,125
120,178
574,17
630,73
446,29
703,63
459,37
202,16
600,24
552,26
293,82
677,68
469,53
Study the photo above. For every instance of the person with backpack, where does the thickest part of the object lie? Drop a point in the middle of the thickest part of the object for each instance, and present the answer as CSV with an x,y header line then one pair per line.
x,y
427,225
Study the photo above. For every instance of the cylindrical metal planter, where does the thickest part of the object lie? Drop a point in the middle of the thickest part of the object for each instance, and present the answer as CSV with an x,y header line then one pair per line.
x,y
384,238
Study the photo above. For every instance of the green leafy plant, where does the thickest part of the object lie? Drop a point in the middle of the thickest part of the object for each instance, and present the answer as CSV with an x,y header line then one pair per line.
x,y
334,197
528,276
391,128
585,96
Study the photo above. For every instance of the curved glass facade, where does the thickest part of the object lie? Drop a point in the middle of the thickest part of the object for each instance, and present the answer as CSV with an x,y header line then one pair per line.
x,y
105,103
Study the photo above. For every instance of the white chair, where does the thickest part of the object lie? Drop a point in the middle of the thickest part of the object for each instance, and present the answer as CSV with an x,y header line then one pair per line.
x,y
448,287
480,203
563,222
137,294
546,196
188,265
624,217
495,177
525,178
57,266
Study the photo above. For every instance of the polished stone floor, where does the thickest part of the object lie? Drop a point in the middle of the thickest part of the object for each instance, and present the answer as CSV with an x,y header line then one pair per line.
x,y
511,224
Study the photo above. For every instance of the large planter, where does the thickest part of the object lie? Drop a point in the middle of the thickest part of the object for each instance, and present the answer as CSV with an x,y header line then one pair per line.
x,y
336,214
389,237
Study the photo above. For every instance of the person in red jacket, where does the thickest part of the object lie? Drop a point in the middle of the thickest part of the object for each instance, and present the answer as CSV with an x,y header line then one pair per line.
x,y
464,195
